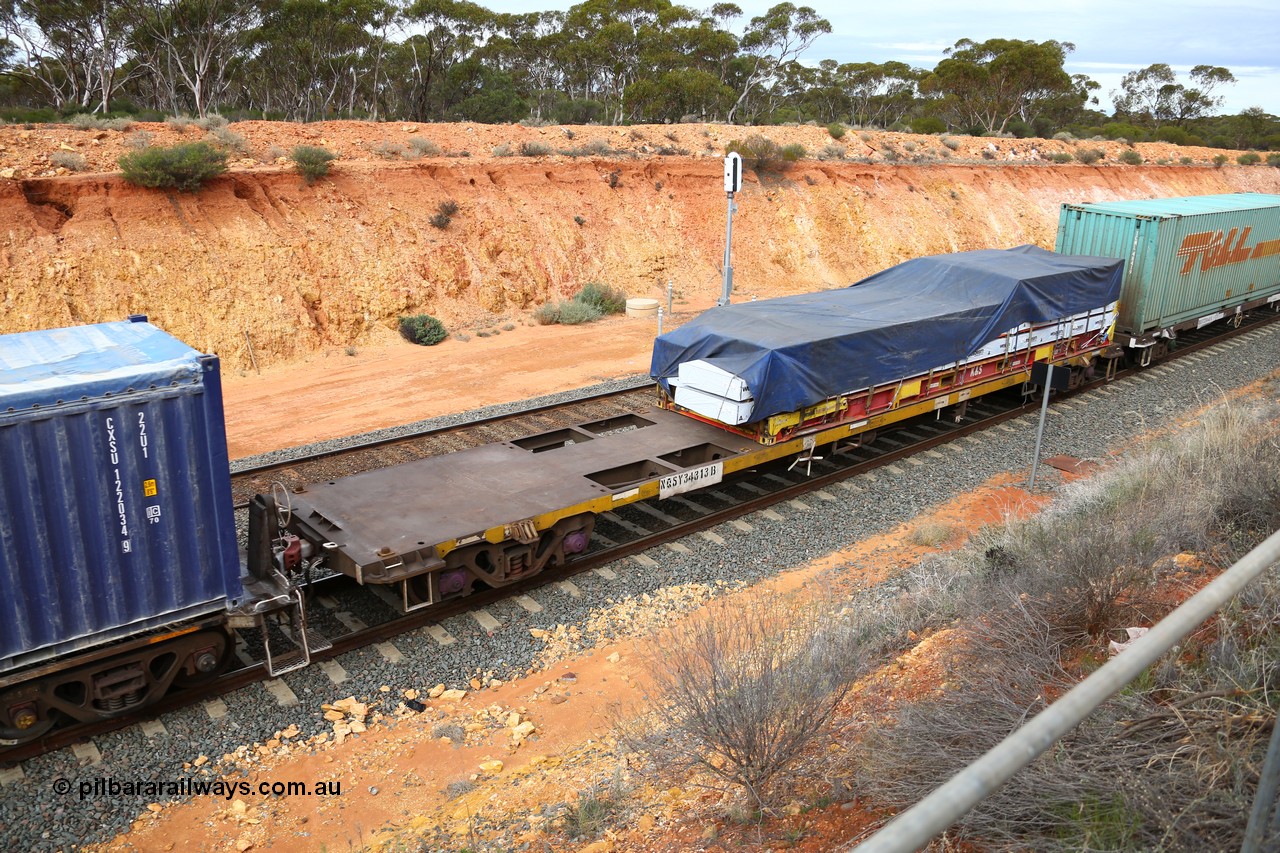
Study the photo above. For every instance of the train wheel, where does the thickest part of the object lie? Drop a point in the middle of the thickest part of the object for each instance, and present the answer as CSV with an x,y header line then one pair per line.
x,y
209,657
20,720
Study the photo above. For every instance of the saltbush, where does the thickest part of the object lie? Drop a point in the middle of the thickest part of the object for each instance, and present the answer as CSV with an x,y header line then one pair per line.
x,y
1089,156
1249,158
609,300
69,160
574,313
836,129
183,167
311,162
760,153
422,329
1130,157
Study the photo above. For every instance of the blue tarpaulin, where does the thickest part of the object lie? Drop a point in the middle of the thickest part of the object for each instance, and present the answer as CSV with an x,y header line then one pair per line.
x,y
796,351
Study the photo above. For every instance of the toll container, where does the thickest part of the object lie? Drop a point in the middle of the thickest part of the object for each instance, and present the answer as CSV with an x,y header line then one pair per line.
x,y
1188,261
115,493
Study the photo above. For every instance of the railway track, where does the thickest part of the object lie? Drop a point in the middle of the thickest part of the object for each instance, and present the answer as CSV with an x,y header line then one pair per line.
x,y
626,531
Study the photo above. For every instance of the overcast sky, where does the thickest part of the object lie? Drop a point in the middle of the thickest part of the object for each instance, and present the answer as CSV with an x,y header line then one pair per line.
x,y
1111,38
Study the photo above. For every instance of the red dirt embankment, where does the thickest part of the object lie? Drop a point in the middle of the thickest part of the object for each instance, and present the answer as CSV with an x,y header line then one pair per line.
x,y
260,260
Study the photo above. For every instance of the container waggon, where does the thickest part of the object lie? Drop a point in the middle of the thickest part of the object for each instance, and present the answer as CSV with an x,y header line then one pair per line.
x,y
118,557
122,576
1188,261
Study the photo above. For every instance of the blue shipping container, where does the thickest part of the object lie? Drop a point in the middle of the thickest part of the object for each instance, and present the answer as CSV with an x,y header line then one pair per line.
x,y
115,493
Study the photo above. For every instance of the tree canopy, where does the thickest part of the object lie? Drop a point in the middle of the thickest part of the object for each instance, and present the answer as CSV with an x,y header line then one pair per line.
x,y
613,61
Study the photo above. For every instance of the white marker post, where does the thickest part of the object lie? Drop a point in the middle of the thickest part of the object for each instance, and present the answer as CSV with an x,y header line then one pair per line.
x,y
732,184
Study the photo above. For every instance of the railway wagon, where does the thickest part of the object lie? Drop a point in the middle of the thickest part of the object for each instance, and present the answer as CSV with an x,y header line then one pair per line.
x,y
924,336
1188,261
918,339
118,555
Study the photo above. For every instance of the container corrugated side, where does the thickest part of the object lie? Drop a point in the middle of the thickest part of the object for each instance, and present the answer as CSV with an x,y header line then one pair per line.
x,y
115,503
1186,259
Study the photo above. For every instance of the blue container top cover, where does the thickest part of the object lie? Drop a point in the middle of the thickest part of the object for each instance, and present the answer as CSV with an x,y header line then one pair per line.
x,y
45,367
796,351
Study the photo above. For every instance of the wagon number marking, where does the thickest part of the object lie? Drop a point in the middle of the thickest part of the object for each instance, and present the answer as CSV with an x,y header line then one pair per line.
x,y
687,481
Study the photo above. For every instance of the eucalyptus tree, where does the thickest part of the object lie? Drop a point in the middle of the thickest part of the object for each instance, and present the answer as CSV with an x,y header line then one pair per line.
x,y
444,34
71,50
770,41
1152,96
336,52
190,47
987,85
527,48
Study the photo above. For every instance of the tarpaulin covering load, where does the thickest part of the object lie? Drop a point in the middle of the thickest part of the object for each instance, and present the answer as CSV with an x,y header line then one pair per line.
x,y
796,351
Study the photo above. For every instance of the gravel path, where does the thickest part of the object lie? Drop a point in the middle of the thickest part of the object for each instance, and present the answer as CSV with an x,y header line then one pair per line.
x,y
36,817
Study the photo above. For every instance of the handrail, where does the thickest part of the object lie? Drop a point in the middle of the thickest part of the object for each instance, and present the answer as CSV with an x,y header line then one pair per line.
x,y
914,828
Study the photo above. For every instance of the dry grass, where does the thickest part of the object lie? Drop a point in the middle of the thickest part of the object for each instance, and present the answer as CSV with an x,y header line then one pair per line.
x,y
1171,763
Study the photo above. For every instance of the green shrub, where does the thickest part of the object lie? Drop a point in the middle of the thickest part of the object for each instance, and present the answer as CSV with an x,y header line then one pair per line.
x,y
836,129
928,124
759,153
311,162
1061,157
444,214
1219,160
1130,157
793,152
568,312
1273,159
608,300
423,329
228,138
1089,156
183,167
574,313
547,314
1249,158
84,121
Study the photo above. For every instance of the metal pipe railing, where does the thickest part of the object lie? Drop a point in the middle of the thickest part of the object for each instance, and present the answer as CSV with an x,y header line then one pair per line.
x,y
928,818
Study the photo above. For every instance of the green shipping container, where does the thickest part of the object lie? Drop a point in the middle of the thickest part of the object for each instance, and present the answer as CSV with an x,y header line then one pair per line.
x,y
1188,261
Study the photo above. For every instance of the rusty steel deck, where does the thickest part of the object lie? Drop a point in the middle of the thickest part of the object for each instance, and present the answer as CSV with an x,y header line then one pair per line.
x,y
461,496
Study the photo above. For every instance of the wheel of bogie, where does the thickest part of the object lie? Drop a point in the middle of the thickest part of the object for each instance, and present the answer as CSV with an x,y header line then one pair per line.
x,y
11,734
218,646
